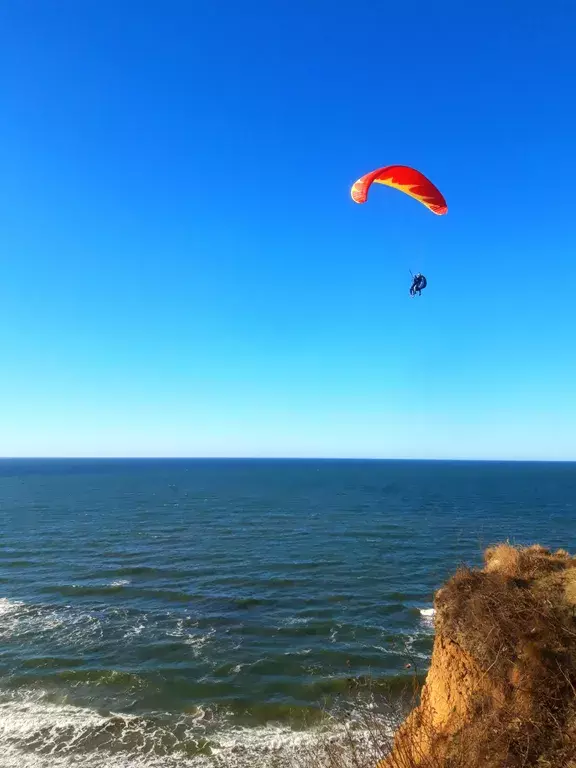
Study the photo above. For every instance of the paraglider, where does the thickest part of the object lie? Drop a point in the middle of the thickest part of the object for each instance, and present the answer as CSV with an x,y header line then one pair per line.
x,y
412,183
419,282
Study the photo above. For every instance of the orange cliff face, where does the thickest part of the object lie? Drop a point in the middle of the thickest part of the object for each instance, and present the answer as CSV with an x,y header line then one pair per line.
x,y
501,689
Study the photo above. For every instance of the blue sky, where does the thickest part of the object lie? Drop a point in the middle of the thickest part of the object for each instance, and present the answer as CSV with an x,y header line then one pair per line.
x,y
184,273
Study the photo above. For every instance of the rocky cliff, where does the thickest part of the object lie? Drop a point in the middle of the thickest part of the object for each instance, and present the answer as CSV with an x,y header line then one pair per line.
x,y
501,689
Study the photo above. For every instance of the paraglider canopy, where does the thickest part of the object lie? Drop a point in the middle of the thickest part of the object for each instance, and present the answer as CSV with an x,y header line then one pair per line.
x,y
407,180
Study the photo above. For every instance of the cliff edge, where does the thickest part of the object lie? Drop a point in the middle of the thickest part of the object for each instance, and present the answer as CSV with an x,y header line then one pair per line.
x,y
501,689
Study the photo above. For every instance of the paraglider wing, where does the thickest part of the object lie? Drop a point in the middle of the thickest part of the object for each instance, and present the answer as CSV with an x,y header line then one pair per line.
x,y
407,180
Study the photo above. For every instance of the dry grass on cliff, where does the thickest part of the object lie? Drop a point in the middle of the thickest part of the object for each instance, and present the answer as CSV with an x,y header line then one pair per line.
x,y
514,617
515,621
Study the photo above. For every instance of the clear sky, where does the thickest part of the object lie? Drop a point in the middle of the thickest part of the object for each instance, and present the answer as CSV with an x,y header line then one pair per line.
x,y
184,272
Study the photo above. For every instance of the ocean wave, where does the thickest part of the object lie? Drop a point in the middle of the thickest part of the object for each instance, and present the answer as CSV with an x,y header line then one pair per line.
x,y
185,630
37,733
427,616
414,645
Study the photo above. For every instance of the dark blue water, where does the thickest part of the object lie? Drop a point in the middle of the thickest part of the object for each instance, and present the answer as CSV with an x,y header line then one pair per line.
x,y
193,610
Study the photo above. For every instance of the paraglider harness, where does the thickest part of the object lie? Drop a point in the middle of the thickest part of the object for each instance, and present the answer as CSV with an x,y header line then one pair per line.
x,y
419,282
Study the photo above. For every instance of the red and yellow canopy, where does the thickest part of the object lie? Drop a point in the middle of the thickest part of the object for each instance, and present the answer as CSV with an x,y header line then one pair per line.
x,y
407,180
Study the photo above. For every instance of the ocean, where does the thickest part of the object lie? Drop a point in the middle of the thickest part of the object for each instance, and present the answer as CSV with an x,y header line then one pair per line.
x,y
207,612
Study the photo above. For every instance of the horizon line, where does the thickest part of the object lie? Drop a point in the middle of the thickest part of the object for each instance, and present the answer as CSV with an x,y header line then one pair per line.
x,y
291,458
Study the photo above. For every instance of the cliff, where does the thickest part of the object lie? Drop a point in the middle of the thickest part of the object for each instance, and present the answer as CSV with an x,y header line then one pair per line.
x,y
501,689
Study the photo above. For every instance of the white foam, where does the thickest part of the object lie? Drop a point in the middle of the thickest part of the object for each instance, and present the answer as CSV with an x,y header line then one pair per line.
x,y
410,651
22,621
8,608
427,616
36,733
295,621
136,630
195,639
